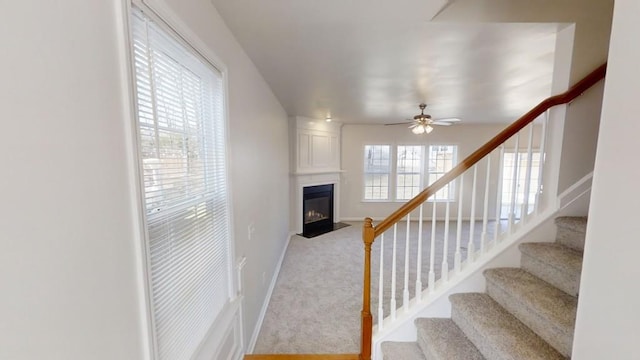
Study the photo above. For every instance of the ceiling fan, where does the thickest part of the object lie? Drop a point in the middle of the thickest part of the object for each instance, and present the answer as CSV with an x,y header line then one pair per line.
x,y
422,123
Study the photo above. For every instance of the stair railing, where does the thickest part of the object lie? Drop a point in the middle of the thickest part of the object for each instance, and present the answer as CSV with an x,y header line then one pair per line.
x,y
518,205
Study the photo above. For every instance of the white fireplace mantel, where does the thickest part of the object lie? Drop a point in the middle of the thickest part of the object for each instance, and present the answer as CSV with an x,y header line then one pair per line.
x,y
315,160
301,181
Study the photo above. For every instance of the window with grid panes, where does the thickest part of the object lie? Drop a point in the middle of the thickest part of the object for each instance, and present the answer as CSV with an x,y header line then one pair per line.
x,y
508,165
377,172
441,159
408,171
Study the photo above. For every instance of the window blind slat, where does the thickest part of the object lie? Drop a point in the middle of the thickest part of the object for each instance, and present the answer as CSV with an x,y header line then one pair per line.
x,y
183,155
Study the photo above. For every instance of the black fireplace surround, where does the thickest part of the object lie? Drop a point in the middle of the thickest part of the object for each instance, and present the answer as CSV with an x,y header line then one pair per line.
x,y
317,210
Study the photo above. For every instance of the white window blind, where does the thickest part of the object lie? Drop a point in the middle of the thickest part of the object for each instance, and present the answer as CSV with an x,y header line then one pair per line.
x,y
182,148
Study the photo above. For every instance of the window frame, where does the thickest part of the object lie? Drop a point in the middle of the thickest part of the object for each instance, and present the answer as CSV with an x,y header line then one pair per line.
x,y
389,173
172,26
453,184
396,173
532,192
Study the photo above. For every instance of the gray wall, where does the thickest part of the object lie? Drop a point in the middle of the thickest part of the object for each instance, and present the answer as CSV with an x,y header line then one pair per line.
x,y
608,314
585,27
71,260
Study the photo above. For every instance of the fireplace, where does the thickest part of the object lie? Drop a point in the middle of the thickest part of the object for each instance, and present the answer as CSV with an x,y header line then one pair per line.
x,y
317,210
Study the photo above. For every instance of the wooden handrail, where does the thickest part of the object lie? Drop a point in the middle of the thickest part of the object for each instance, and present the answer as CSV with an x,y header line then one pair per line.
x,y
568,96
370,232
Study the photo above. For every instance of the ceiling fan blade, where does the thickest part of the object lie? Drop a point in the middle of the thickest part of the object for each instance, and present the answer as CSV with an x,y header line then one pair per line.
x,y
400,123
448,119
442,123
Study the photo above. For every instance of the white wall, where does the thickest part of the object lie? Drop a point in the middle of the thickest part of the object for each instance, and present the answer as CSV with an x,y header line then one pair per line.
x,y
468,138
69,268
608,314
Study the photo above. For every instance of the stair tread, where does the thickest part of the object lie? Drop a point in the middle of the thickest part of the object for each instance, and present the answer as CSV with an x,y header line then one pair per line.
x,y
495,332
442,339
558,256
545,309
392,350
536,295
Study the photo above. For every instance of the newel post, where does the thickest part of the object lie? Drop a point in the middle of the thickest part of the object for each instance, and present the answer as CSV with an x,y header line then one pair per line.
x,y
368,235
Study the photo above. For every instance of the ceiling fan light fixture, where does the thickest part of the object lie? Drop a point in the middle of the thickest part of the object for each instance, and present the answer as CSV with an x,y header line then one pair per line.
x,y
419,129
423,123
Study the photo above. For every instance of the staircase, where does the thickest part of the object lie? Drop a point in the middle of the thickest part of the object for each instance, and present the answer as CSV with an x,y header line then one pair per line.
x,y
526,313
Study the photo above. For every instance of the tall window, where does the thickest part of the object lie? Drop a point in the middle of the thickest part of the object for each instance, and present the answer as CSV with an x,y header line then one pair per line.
x,y
377,171
182,150
442,158
408,172
508,165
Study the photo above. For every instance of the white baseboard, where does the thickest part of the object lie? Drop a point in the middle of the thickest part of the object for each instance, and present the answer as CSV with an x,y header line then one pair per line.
x,y
265,305
376,219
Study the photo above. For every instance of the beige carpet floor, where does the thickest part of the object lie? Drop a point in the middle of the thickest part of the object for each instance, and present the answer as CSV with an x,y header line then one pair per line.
x,y
315,305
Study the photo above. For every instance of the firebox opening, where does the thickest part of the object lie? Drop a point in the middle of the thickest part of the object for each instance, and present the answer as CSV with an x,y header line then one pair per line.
x,y
317,210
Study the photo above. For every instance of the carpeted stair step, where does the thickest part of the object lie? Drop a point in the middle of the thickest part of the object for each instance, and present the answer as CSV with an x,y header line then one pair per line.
x,y
571,231
554,263
497,334
395,350
548,311
442,339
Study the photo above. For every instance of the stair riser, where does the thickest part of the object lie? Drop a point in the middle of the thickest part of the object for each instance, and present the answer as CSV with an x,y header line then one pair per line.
x,y
473,335
570,238
571,232
569,283
401,351
560,339
428,353
441,339
497,334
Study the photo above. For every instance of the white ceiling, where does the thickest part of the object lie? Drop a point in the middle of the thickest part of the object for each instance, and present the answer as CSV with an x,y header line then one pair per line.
x,y
373,62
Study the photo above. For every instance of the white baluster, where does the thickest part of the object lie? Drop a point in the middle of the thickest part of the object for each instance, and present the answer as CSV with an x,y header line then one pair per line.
x,y
543,140
527,177
514,184
381,286
457,261
419,260
393,272
445,248
432,254
471,248
499,195
485,212
405,293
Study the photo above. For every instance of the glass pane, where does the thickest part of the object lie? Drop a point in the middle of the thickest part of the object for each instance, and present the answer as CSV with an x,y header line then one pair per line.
x,y
442,158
